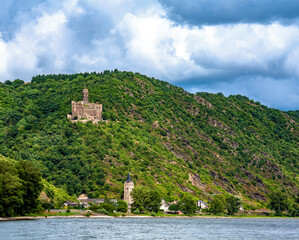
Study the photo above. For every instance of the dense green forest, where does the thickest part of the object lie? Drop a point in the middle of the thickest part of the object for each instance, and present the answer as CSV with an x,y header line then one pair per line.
x,y
165,137
20,186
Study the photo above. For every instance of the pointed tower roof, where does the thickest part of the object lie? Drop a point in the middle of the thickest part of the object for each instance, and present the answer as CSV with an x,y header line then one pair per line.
x,y
129,178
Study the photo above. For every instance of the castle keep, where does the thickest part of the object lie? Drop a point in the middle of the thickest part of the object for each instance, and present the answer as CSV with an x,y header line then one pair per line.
x,y
85,111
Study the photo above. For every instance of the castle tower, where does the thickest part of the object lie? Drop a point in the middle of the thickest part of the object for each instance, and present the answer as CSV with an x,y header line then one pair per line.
x,y
128,187
85,95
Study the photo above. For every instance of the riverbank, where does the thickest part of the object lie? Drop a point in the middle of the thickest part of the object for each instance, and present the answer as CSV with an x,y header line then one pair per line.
x,y
81,216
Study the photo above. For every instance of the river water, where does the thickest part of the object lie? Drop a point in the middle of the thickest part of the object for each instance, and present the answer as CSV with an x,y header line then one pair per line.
x,y
152,228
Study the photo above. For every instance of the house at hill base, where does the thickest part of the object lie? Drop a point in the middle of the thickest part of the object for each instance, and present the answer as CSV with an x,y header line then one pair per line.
x,y
201,204
165,206
84,111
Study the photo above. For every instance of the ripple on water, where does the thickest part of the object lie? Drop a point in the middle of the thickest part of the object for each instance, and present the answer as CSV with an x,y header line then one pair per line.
x,y
152,228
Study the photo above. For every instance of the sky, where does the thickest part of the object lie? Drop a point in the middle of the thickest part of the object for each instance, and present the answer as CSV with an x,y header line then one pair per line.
x,y
247,47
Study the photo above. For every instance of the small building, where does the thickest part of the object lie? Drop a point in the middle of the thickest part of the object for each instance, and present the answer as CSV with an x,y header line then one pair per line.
x,y
201,204
71,204
82,196
164,205
87,202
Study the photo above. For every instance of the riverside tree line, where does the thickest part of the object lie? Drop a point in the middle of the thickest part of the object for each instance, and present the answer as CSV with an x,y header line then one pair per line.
x,y
21,185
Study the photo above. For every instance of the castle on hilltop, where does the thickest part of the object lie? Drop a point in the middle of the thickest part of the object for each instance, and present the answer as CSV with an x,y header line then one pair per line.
x,y
85,111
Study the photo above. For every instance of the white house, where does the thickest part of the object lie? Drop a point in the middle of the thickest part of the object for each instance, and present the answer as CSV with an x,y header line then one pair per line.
x,y
165,206
201,204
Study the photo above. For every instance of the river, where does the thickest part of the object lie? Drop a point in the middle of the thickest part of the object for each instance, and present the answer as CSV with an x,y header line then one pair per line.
x,y
152,228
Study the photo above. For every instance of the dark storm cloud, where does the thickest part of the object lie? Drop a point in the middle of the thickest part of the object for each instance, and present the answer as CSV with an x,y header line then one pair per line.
x,y
201,12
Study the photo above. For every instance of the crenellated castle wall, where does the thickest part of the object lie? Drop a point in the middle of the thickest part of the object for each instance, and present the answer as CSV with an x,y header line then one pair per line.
x,y
85,111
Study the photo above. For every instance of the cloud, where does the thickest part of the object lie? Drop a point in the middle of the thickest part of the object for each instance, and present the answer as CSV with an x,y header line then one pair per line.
x,y
93,35
211,12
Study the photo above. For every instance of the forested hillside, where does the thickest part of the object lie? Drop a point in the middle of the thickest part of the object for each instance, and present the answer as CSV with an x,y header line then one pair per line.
x,y
164,136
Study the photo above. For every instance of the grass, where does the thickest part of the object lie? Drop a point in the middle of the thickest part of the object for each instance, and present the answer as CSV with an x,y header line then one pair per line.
x,y
45,214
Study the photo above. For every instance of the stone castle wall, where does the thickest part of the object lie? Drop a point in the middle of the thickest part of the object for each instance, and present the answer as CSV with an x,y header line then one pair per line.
x,y
85,111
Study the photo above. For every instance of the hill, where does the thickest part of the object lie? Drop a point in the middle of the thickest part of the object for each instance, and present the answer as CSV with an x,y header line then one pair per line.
x,y
165,137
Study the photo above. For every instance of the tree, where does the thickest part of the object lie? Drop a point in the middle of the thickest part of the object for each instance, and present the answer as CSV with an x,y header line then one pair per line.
x,y
173,207
20,187
217,205
11,194
187,204
294,210
155,201
122,206
233,204
278,202
146,198
108,207
31,185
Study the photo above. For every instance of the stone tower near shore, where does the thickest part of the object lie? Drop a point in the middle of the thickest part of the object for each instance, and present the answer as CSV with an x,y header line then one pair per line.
x,y
128,188
85,111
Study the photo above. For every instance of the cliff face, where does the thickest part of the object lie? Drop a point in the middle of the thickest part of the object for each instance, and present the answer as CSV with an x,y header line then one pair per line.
x,y
166,137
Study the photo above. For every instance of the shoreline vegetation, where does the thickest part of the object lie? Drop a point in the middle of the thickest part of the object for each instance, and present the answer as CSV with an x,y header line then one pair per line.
x,y
86,215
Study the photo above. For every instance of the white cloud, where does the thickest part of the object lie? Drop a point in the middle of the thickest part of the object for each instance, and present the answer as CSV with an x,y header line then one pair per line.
x,y
78,36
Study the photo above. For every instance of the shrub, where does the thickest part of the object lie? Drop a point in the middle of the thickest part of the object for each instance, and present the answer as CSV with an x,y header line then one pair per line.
x,y
136,211
122,206
102,211
108,207
88,214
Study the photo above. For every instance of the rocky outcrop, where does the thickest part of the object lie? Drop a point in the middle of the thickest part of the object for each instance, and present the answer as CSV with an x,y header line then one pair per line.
x,y
202,101
195,180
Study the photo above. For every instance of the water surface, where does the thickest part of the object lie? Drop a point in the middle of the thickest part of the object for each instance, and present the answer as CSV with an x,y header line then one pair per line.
x,y
152,228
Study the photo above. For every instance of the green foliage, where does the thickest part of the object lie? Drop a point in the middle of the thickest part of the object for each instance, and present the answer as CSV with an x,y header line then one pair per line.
x,y
294,210
11,192
187,204
88,214
158,132
174,207
218,204
57,195
146,198
278,202
233,204
122,206
20,186
108,207
136,211
102,211
31,185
